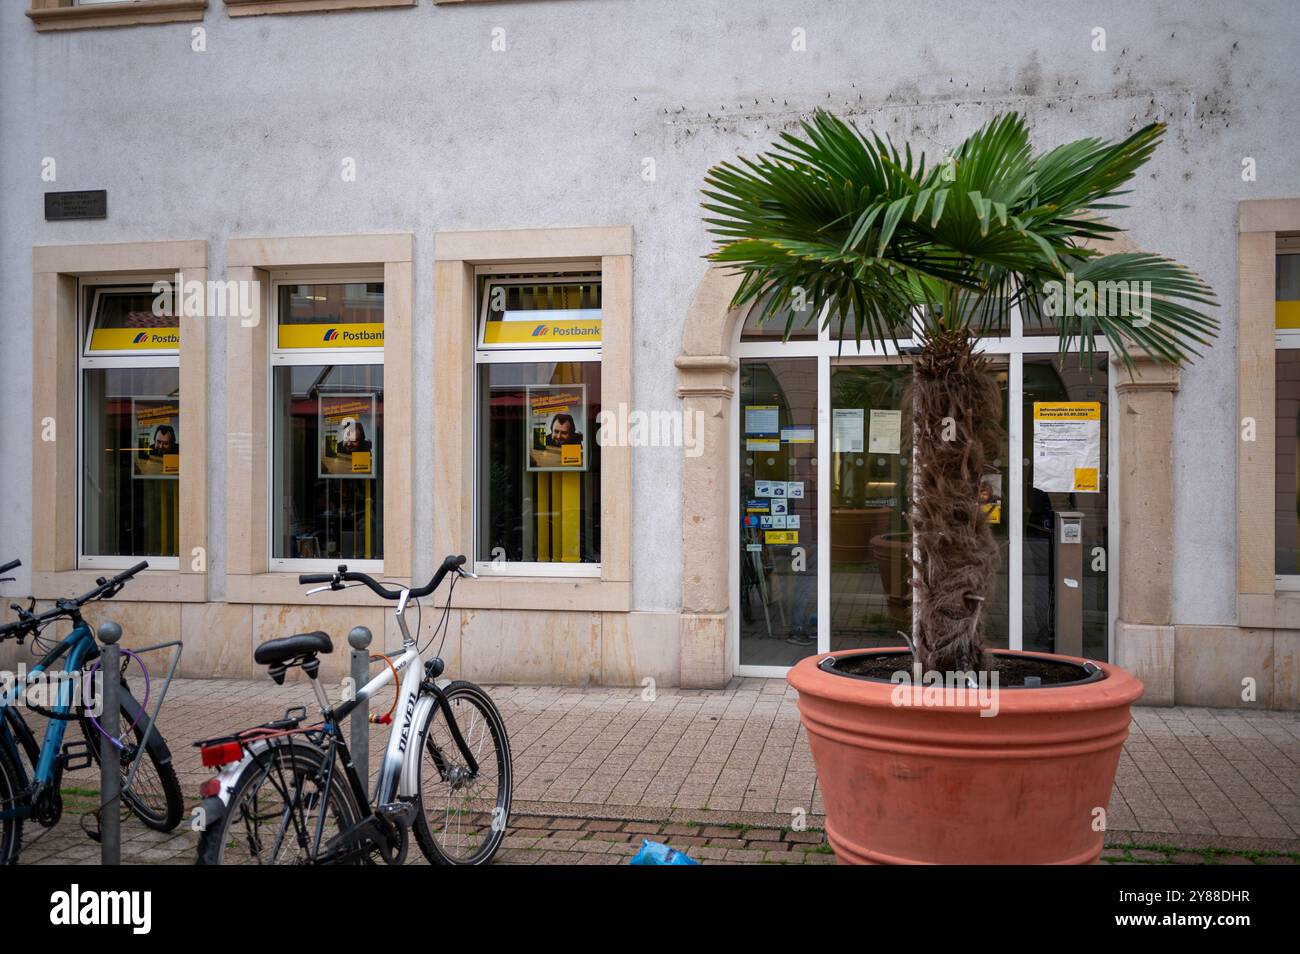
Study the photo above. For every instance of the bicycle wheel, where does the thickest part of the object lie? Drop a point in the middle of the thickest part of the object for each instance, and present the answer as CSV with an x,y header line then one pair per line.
x,y
275,808
462,817
11,829
155,793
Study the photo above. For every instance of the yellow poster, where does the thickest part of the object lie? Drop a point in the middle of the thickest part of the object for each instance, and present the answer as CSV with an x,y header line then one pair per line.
x,y
157,450
557,422
347,428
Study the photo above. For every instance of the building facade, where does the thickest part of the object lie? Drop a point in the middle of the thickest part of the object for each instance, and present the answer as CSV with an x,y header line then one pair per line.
x,y
382,280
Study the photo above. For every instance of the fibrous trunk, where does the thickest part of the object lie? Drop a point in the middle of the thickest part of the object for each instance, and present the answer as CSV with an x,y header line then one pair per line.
x,y
955,407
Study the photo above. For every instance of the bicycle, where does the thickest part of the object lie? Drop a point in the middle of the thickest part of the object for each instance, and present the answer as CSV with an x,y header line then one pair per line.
x,y
154,794
277,797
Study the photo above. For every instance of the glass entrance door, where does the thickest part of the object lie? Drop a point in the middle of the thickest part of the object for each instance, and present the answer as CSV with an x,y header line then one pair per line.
x,y
822,553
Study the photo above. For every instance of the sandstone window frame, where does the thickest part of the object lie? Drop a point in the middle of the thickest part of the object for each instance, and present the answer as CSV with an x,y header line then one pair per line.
x,y
1264,601
458,257
249,573
55,15
252,8
57,272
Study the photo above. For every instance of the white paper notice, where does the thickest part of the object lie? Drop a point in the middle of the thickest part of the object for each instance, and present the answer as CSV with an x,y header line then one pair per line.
x,y
886,432
762,419
1067,446
846,433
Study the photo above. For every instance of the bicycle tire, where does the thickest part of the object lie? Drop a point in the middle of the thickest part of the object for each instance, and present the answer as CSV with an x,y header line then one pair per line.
x,y
303,762
157,802
481,825
11,829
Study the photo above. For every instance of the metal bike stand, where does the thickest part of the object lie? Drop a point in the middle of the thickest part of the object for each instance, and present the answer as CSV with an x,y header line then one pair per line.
x,y
162,696
110,764
359,639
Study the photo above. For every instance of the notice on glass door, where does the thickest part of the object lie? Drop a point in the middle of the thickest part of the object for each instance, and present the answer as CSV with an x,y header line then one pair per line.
x,y
763,419
846,430
1067,446
886,431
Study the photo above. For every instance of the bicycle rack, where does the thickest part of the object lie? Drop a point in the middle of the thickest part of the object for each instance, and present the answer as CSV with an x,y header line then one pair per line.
x,y
110,743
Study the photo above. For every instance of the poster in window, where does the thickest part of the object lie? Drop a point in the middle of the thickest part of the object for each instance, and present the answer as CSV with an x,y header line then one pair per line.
x,y
156,443
347,432
991,497
557,426
1067,446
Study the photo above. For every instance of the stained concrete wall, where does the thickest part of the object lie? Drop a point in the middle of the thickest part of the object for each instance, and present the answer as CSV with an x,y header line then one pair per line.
x,y
247,139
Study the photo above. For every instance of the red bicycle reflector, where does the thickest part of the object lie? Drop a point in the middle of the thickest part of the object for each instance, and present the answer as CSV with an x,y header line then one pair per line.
x,y
210,788
222,753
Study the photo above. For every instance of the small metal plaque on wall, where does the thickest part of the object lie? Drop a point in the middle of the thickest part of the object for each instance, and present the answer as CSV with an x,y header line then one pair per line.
x,y
61,206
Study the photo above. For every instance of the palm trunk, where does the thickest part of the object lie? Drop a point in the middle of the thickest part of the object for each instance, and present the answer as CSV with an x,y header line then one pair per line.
x,y
956,413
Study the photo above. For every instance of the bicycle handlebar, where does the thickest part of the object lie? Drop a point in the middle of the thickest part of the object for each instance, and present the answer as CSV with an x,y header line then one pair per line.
x,y
11,565
103,589
344,575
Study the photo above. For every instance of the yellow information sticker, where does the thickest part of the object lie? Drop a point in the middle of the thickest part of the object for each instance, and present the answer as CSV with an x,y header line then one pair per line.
x,y
1085,480
361,462
781,537
171,464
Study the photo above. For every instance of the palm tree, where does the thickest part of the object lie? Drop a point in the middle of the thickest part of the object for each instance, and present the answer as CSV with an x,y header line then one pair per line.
x,y
844,225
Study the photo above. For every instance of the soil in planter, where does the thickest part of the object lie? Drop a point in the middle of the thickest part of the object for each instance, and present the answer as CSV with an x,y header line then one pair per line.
x,y
1012,670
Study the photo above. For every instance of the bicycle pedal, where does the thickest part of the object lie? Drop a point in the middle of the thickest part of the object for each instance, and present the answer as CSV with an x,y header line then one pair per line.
x,y
76,755
399,813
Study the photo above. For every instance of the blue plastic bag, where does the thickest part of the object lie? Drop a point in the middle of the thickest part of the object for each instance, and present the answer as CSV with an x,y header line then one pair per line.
x,y
654,853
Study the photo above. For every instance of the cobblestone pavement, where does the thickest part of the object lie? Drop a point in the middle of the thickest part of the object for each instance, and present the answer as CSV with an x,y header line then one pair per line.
x,y
726,775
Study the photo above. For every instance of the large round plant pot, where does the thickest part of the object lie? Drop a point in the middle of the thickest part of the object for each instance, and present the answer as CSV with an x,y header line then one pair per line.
x,y
911,777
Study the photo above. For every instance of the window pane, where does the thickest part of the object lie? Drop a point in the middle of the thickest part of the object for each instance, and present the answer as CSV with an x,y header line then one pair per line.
x,y
1048,380
542,313
539,462
131,319
337,315
328,452
131,461
778,511
1287,483
773,328
1288,291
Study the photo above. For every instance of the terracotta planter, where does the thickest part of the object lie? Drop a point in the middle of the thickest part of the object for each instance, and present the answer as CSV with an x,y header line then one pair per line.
x,y
937,783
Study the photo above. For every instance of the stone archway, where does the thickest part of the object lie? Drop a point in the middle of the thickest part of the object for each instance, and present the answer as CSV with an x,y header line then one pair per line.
x,y
1144,414
705,384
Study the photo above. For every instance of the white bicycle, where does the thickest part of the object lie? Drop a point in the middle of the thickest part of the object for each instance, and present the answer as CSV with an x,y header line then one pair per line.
x,y
279,796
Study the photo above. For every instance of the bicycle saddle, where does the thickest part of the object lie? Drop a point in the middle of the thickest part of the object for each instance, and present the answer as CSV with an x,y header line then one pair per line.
x,y
291,647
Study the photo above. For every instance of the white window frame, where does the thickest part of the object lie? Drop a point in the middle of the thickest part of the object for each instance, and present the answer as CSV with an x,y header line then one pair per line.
x,y
291,357
104,360
499,354
1015,346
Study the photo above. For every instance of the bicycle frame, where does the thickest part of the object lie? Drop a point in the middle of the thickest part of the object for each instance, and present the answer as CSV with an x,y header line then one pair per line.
x,y
80,647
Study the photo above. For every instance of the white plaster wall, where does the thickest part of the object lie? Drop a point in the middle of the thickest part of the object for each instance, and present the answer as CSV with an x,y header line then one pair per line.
x,y
247,138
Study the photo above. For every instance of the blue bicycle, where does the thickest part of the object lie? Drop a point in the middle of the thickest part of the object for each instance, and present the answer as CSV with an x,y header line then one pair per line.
x,y
154,793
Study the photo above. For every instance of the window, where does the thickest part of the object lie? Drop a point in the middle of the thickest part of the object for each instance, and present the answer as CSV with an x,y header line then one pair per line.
x,y
327,421
1287,499
130,426
538,398
49,15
